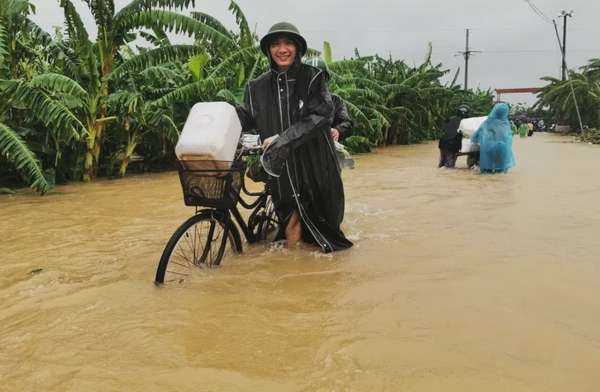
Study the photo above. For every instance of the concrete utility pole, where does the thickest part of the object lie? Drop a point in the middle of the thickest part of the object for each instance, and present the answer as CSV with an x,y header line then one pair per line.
x,y
564,14
467,54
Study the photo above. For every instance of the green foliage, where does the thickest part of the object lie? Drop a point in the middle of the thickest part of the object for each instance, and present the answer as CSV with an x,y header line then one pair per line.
x,y
196,65
59,85
202,90
154,57
246,38
140,116
357,144
75,104
240,56
15,150
327,54
393,103
212,22
3,46
66,82
591,136
169,21
162,73
556,98
36,96
6,191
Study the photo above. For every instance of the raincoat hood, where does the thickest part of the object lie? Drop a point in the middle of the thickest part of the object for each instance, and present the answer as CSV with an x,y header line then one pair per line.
x,y
499,112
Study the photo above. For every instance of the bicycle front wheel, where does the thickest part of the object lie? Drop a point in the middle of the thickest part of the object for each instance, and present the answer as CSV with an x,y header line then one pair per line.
x,y
199,241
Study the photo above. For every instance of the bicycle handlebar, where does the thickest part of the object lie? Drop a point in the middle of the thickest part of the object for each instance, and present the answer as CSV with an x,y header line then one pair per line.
x,y
251,151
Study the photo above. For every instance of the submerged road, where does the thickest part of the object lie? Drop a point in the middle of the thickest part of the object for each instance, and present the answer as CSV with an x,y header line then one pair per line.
x,y
457,282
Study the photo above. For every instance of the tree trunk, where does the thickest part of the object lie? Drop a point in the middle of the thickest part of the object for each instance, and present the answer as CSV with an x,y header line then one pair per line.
x,y
132,141
89,166
123,167
95,147
102,113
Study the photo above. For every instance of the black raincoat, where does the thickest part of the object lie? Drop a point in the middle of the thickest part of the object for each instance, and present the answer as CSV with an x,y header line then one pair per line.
x,y
452,138
296,105
341,119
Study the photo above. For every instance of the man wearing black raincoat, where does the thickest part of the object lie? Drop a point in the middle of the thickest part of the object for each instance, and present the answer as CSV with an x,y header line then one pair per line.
x,y
292,110
342,122
451,141
341,125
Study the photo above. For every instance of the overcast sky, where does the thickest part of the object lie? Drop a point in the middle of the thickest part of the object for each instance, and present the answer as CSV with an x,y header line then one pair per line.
x,y
517,46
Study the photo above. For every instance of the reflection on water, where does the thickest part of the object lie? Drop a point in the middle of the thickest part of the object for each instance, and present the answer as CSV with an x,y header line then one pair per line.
x,y
438,293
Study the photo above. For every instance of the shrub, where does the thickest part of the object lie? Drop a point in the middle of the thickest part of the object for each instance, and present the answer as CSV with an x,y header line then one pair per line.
x,y
357,144
591,135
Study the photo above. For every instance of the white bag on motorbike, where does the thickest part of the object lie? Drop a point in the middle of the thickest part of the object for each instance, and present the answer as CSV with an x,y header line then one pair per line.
x,y
468,146
211,133
470,125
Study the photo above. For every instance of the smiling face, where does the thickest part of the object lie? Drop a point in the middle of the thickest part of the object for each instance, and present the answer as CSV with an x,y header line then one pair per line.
x,y
283,52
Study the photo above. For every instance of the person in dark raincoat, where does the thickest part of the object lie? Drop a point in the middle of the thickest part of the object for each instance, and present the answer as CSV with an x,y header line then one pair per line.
x,y
340,129
451,141
495,140
342,122
292,110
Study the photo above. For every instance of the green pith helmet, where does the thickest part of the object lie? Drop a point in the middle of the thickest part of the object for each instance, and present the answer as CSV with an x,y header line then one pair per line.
x,y
318,63
283,29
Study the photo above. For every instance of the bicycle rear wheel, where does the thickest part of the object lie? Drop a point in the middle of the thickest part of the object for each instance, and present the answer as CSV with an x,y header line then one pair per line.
x,y
199,241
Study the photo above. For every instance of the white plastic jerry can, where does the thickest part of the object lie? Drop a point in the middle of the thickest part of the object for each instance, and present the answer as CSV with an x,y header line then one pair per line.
x,y
211,133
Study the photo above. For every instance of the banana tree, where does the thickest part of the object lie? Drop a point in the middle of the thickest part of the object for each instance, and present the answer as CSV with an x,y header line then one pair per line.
x,y
396,103
13,14
23,90
237,62
45,96
557,96
116,28
140,114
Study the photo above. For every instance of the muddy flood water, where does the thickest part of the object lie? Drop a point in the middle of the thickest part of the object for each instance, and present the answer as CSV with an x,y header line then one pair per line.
x,y
457,282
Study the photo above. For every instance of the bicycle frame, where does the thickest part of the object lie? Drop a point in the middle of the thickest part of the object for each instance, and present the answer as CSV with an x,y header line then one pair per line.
x,y
256,205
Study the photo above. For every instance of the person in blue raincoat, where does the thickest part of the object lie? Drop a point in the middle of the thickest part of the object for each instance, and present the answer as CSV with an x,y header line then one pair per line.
x,y
495,140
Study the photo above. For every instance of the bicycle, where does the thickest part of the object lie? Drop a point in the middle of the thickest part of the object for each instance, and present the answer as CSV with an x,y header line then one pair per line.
x,y
214,191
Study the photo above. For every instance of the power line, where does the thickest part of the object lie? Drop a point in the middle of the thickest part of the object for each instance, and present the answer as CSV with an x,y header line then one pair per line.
x,y
538,11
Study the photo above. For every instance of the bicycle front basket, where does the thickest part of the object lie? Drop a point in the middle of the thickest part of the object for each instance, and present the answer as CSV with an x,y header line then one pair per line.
x,y
214,184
